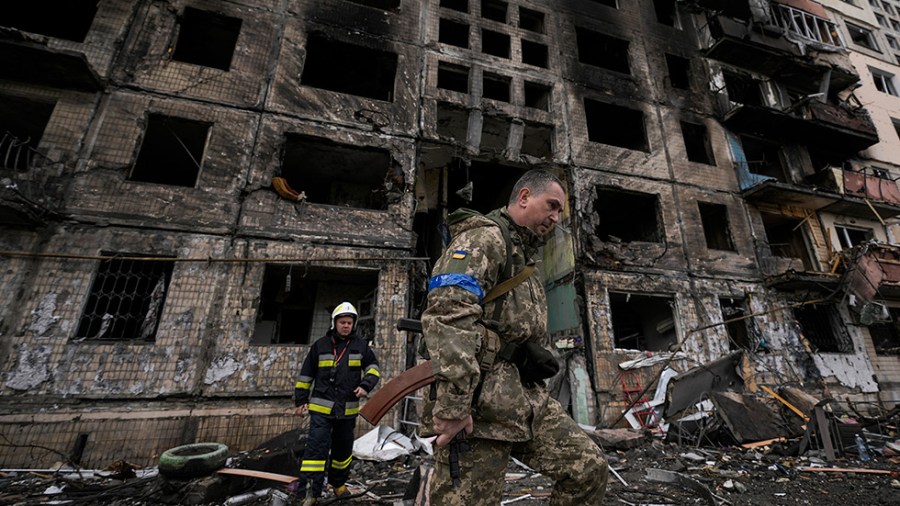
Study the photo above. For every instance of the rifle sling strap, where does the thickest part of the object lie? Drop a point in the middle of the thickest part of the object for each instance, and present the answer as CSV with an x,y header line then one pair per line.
x,y
504,287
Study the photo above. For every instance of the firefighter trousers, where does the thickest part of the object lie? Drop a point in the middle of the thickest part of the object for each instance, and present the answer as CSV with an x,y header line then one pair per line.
x,y
329,447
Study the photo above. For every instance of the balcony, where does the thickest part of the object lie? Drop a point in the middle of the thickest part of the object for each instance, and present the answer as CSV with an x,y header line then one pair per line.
x,y
873,272
27,58
807,122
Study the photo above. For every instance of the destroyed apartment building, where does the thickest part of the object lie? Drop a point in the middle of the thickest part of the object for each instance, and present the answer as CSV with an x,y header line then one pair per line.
x,y
189,186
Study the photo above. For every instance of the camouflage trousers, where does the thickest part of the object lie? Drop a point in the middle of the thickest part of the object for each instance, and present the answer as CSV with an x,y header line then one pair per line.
x,y
559,449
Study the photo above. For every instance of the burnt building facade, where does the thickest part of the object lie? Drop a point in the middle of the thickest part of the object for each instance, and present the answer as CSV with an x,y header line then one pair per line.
x,y
188,187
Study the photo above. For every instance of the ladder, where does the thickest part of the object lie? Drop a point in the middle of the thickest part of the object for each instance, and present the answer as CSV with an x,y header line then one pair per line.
x,y
632,393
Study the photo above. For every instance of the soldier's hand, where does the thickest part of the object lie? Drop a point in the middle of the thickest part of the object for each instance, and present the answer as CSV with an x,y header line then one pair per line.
x,y
447,429
301,410
360,392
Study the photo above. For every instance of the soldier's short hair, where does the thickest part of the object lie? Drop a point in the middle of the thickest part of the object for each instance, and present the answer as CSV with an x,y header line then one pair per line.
x,y
536,180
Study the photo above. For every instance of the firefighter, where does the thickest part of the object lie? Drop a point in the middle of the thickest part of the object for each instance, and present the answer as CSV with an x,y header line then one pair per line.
x,y
339,371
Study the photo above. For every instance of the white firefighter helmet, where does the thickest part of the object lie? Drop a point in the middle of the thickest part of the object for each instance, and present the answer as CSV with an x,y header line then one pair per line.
x,y
344,309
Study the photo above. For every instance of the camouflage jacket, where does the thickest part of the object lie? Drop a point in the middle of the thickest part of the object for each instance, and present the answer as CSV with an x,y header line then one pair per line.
x,y
453,326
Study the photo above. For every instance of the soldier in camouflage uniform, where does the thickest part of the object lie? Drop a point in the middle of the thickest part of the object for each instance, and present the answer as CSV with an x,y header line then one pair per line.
x,y
508,417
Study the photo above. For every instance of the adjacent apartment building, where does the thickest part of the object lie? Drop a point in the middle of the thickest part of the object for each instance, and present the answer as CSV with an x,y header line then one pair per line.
x,y
188,187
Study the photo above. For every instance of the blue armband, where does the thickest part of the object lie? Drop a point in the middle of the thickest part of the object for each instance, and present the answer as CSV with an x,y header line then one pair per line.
x,y
463,281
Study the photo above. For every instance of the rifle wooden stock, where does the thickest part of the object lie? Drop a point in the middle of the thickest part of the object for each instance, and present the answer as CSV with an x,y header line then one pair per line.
x,y
399,387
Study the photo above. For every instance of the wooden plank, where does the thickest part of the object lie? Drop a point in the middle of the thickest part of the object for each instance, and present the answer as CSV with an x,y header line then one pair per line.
x,y
845,470
250,473
786,403
824,433
765,442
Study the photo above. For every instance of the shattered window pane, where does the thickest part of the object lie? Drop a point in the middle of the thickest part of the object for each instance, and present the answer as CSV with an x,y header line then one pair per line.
x,y
823,328
171,152
642,322
125,300
886,336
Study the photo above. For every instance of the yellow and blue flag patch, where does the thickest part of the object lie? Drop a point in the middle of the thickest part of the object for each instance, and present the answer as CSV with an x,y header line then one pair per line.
x,y
460,254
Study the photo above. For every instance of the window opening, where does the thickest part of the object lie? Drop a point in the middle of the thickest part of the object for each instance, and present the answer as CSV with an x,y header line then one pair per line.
x,y
666,13
742,89
534,53
69,20
453,77
896,123
716,230
206,38
537,141
886,336
22,125
456,5
642,322
491,184
349,68
494,10
679,71
494,135
627,216
126,299
785,237
531,20
496,87
600,50
452,122
849,237
537,96
494,43
336,174
171,152
296,302
738,331
763,157
385,5
615,125
453,33
861,37
697,143
821,325
884,82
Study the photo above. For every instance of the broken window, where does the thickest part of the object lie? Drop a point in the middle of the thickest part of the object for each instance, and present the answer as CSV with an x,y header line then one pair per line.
x,y
626,216
696,143
738,331
849,237
70,20
615,125
530,20
126,298
494,135
453,33
861,36
896,123
453,77
534,53
537,141
642,322
784,235
886,336
494,43
679,71
884,82
763,157
714,218
349,68
482,186
296,301
385,5
206,38
457,5
496,87
452,122
336,174
171,152
601,50
22,124
666,13
494,10
537,95
823,328
742,89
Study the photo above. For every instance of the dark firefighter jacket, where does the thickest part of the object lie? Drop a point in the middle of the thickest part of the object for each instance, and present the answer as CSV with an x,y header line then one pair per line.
x,y
331,372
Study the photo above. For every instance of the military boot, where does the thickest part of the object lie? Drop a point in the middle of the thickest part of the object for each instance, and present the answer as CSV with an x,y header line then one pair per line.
x,y
341,491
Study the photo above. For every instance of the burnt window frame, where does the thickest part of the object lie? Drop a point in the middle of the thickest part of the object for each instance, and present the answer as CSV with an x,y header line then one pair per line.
x,y
107,283
821,319
540,95
738,326
449,31
449,77
608,52
717,232
493,86
886,333
357,68
678,69
201,29
857,33
620,335
859,235
26,115
613,133
158,149
646,207
532,20
73,25
697,143
496,39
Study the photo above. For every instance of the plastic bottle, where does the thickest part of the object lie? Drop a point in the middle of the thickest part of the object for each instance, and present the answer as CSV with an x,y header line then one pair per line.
x,y
861,448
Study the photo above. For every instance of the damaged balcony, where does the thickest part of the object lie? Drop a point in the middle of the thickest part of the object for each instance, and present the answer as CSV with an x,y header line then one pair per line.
x,y
771,38
26,49
873,272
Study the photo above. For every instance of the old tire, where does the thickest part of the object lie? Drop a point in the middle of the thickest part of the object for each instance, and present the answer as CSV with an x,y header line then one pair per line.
x,y
193,460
